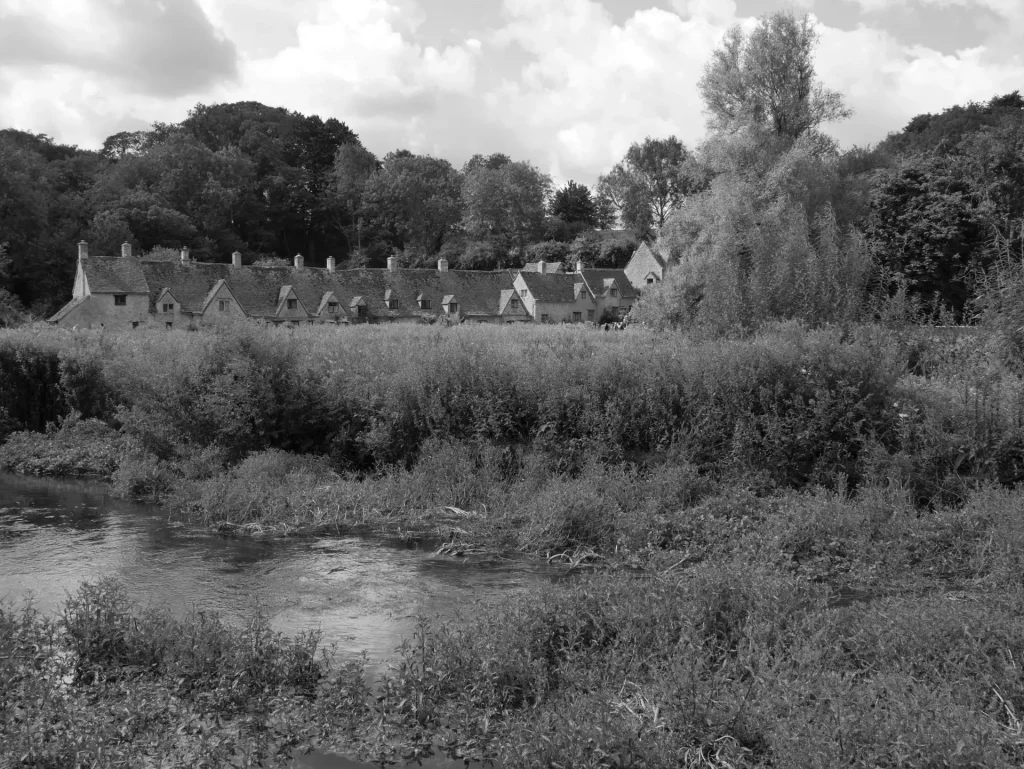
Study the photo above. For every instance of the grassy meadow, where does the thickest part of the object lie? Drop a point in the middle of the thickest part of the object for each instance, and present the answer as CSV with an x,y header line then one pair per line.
x,y
796,548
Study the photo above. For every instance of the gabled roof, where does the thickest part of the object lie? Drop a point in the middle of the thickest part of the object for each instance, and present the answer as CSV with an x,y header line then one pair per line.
x,y
507,295
114,275
551,287
602,280
327,298
213,292
63,311
645,251
448,299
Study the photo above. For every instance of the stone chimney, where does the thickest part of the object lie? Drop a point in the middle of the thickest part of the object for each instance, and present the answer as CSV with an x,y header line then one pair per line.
x,y
540,266
579,265
392,263
299,259
126,250
330,264
236,259
184,255
83,249
442,265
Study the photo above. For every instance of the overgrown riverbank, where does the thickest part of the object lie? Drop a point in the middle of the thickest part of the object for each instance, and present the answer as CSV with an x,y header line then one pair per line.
x,y
733,495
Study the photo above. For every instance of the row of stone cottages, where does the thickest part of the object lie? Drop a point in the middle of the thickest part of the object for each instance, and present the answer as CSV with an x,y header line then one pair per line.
x,y
125,291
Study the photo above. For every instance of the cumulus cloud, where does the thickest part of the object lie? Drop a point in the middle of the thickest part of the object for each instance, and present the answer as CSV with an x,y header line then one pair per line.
x,y
146,46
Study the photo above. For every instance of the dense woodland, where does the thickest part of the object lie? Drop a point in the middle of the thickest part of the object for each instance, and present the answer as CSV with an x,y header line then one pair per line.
x,y
765,201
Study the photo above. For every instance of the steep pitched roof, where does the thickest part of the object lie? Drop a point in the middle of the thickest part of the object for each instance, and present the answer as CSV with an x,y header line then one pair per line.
x,y
601,280
114,275
63,311
551,287
645,251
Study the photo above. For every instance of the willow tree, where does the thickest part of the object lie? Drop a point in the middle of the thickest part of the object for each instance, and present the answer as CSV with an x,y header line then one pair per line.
x,y
767,79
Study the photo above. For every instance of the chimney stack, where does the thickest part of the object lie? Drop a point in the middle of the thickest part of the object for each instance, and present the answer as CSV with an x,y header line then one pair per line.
x,y
126,250
184,255
392,263
298,261
579,265
540,266
330,264
83,249
442,265
236,259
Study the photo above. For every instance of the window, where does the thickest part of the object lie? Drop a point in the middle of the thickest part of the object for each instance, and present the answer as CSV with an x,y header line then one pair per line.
x,y
543,318
169,324
614,291
293,304
361,311
332,308
577,317
650,281
515,304
222,305
135,324
453,307
392,304
590,315
523,292
424,304
120,300
168,308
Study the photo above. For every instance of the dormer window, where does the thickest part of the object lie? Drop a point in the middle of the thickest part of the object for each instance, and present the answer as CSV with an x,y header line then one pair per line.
x,y
650,281
168,307
222,305
120,300
453,307
361,311
392,304
515,304
293,304
523,292
332,308
424,303
614,291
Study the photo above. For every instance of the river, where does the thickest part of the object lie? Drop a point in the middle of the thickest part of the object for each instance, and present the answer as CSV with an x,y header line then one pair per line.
x,y
363,594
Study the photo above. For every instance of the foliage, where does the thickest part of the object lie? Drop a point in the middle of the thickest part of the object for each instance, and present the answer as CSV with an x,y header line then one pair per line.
x,y
573,204
415,200
766,78
647,184
78,448
763,243
504,202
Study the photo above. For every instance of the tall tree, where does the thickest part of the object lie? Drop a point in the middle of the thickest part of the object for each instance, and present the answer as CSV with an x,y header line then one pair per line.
x,y
767,79
504,204
647,183
415,199
574,204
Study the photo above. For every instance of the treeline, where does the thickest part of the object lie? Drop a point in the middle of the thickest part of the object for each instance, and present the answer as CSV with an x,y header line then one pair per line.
x,y
272,183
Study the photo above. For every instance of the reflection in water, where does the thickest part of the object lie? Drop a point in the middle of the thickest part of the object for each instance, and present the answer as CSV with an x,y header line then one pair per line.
x,y
363,594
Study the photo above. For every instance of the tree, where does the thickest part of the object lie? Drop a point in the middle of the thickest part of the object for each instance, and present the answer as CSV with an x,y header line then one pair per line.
x,y
767,79
504,203
415,200
647,184
573,204
929,225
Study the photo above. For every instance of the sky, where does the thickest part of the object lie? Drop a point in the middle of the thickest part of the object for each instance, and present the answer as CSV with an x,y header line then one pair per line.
x,y
567,85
